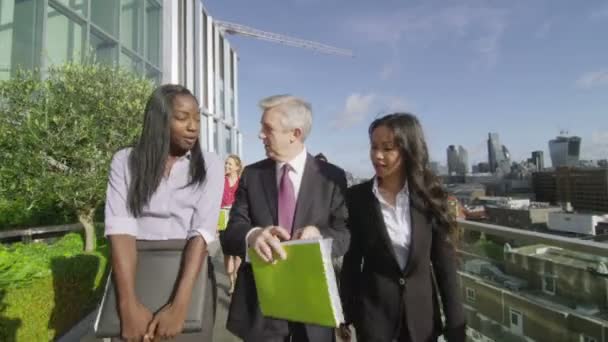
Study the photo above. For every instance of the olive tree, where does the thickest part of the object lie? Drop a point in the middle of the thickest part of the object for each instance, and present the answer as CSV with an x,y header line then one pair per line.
x,y
58,134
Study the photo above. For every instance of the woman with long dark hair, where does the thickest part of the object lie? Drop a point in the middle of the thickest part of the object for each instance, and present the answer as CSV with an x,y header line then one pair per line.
x,y
401,256
165,187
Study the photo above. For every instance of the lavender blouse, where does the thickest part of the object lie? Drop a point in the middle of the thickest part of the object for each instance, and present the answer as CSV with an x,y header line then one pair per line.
x,y
175,211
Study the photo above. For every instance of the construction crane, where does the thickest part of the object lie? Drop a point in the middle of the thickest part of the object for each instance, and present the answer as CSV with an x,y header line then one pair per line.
x,y
232,28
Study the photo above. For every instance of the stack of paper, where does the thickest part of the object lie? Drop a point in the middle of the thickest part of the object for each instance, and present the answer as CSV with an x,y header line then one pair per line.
x,y
301,288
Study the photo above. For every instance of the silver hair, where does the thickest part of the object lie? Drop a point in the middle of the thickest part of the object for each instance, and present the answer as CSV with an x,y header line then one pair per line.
x,y
297,113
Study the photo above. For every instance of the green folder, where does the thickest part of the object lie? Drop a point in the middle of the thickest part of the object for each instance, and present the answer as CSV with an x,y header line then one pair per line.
x,y
223,219
301,288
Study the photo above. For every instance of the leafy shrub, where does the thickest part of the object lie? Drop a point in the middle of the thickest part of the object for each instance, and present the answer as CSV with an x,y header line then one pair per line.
x,y
58,134
46,289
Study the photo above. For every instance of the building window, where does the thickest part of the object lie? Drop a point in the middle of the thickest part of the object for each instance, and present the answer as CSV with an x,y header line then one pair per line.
x,y
216,137
64,38
77,6
104,14
153,33
228,140
516,321
103,47
7,10
549,284
131,31
471,295
205,60
204,135
585,338
221,57
153,74
222,99
130,62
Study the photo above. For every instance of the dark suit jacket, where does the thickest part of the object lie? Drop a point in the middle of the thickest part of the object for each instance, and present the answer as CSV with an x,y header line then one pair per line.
x,y
321,202
377,293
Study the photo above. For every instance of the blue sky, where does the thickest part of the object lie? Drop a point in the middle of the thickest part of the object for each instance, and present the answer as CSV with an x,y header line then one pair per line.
x,y
525,69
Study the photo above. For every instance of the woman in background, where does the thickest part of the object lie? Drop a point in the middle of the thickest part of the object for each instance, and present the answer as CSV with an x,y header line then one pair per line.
x,y
165,187
400,238
232,169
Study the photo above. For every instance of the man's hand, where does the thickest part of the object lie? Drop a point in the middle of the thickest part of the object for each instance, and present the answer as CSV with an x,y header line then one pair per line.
x,y
266,242
134,320
344,332
167,323
308,232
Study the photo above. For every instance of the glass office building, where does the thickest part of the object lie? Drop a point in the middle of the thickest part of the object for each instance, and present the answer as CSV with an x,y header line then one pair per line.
x,y
167,41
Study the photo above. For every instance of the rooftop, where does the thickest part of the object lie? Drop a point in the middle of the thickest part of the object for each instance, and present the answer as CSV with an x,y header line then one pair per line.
x,y
561,256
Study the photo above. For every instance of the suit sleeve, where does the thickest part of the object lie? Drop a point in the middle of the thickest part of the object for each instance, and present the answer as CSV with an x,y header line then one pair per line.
x,y
239,223
338,229
350,275
443,258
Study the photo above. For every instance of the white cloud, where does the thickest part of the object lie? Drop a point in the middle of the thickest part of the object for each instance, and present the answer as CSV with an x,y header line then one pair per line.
x,y
356,108
480,28
359,107
593,79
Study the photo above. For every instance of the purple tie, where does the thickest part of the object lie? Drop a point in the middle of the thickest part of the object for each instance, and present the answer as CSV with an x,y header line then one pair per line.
x,y
287,200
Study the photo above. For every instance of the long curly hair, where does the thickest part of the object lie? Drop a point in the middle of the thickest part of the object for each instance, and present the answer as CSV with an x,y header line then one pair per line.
x,y
421,180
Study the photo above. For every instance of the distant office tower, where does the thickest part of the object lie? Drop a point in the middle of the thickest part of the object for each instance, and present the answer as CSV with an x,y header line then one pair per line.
x,y
463,165
493,151
565,151
499,157
538,160
458,160
452,159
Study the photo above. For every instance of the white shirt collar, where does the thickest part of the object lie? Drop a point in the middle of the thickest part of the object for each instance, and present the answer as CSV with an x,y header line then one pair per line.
x,y
297,163
405,191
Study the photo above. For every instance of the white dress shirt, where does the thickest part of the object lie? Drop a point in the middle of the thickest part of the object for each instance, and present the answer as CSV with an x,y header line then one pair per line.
x,y
296,171
398,222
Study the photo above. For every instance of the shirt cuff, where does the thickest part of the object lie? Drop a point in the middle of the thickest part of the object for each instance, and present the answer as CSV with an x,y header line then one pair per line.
x,y
121,225
208,237
246,244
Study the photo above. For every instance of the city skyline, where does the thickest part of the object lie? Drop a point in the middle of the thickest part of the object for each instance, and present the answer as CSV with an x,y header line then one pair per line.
x,y
523,70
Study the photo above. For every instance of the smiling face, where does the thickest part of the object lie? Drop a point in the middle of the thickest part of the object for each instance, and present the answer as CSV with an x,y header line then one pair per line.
x,y
185,123
385,154
231,167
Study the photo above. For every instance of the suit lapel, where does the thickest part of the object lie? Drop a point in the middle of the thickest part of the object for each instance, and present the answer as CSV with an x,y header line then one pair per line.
x,y
306,193
378,221
269,180
418,223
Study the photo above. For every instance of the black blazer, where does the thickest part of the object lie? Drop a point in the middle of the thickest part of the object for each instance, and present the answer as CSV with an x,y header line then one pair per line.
x,y
321,202
377,293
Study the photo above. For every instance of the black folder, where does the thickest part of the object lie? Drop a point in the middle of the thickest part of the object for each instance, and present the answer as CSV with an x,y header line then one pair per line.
x,y
157,272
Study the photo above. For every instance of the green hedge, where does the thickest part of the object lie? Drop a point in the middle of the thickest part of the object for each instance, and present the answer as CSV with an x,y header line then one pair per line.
x,y
17,214
46,289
